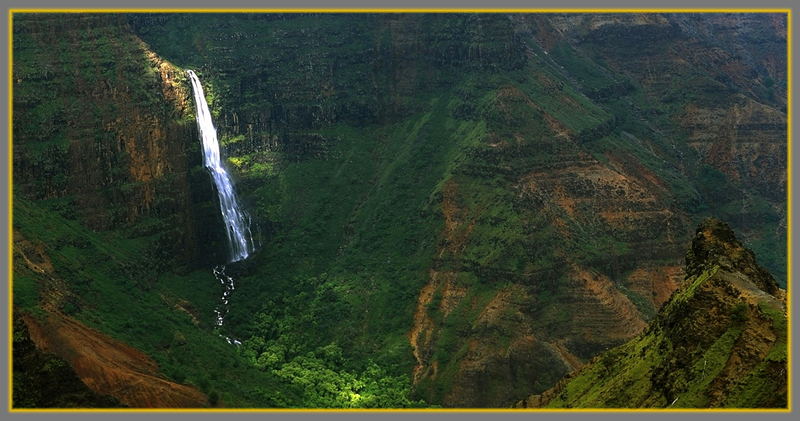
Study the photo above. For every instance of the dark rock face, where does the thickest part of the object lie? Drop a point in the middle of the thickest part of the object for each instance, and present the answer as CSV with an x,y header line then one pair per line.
x,y
283,74
106,135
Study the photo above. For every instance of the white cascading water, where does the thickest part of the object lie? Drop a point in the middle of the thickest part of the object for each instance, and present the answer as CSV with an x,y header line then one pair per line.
x,y
237,223
222,309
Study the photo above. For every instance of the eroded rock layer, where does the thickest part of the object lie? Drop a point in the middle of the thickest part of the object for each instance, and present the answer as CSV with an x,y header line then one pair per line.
x,y
720,341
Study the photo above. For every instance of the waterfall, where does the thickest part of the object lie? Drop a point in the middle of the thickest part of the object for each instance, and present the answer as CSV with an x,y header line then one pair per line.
x,y
222,309
237,222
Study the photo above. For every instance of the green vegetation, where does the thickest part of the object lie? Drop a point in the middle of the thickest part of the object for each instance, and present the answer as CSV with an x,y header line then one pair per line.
x,y
140,306
681,362
370,150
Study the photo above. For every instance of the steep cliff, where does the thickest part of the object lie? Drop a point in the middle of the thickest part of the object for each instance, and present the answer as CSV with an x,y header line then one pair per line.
x,y
115,224
713,86
720,341
103,132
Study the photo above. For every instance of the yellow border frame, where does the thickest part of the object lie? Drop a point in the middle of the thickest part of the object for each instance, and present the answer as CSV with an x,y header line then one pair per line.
x,y
787,11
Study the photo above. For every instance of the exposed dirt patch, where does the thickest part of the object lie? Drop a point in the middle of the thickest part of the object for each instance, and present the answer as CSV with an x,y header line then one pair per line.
x,y
445,287
567,357
608,311
422,328
107,366
457,227
110,367
746,141
655,283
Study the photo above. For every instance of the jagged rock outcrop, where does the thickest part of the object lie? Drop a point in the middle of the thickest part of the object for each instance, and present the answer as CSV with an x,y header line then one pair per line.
x,y
720,341
714,244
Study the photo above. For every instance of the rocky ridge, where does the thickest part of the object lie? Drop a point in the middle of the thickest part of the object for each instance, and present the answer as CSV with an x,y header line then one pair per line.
x,y
719,341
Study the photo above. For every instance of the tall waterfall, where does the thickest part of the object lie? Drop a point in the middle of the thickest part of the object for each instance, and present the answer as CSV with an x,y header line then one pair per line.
x,y
237,222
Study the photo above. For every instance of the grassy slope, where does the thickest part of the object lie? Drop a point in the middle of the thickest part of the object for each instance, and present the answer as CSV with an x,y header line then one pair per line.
x,y
138,305
633,375
118,281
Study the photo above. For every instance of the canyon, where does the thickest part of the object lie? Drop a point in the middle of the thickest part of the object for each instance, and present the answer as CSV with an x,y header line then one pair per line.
x,y
453,209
